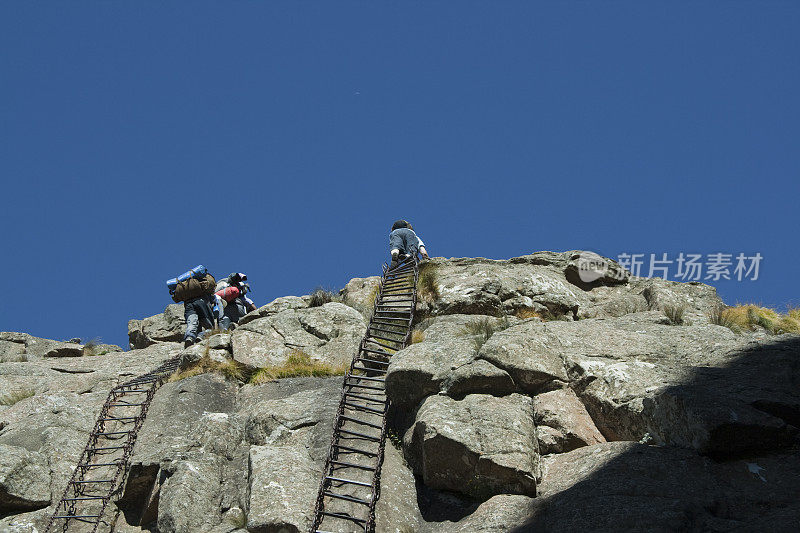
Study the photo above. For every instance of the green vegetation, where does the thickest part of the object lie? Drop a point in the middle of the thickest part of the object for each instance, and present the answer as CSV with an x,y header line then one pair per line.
x,y
298,364
321,296
750,317
484,328
230,369
92,347
674,314
417,335
428,283
527,312
14,397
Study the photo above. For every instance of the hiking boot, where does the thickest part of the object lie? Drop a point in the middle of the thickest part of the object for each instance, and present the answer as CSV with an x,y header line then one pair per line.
x,y
188,342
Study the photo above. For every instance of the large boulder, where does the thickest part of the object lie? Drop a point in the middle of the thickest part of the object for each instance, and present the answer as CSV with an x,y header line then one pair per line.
x,y
21,347
169,326
624,486
283,486
24,480
562,423
481,445
329,333
360,294
284,303
445,361
486,287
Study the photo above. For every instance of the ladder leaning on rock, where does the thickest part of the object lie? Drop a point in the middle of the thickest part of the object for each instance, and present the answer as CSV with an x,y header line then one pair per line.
x,y
105,461
351,478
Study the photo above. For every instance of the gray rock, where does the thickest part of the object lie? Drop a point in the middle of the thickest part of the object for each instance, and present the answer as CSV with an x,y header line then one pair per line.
x,y
445,361
169,326
190,495
487,287
276,306
283,485
498,514
588,270
481,445
360,294
396,509
330,333
526,352
24,480
624,487
20,347
562,423
65,349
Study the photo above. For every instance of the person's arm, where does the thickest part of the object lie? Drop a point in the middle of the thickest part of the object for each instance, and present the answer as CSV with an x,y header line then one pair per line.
x,y
421,245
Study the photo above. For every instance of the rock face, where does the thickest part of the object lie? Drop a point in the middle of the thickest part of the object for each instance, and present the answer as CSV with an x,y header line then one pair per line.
x,y
329,333
481,445
541,395
169,326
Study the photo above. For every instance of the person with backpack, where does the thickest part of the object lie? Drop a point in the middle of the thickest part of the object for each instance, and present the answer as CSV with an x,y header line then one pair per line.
x,y
199,314
232,291
404,242
195,288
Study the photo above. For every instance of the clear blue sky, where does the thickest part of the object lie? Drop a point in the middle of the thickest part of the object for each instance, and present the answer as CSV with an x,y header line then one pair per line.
x,y
282,139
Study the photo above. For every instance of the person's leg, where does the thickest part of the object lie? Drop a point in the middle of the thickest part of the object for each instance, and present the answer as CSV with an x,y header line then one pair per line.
x,y
395,246
409,243
192,323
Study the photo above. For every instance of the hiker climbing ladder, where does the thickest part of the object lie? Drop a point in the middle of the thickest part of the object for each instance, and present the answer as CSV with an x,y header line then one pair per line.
x,y
104,463
350,484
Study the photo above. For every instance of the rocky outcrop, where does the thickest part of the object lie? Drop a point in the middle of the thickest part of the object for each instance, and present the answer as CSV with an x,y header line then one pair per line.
x,y
329,333
21,347
169,326
24,480
562,422
481,445
542,394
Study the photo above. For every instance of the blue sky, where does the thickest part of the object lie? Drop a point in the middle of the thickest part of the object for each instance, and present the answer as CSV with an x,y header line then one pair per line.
x,y
282,139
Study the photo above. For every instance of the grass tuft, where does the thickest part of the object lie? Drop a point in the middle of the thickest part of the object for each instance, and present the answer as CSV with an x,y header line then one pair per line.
x,y
674,314
92,347
751,317
298,364
428,282
527,312
417,336
321,296
14,397
484,328
721,316
230,369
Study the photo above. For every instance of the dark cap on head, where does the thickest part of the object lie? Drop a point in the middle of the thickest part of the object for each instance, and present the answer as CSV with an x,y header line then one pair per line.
x,y
400,224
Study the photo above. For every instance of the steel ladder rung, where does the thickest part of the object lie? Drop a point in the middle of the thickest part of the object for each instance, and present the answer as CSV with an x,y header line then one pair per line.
x,y
365,409
344,516
349,481
354,465
367,369
365,387
358,435
356,450
365,398
379,380
375,361
345,497
359,421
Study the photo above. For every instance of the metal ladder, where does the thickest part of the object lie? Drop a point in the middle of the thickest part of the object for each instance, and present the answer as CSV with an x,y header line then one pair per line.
x,y
105,460
350,484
